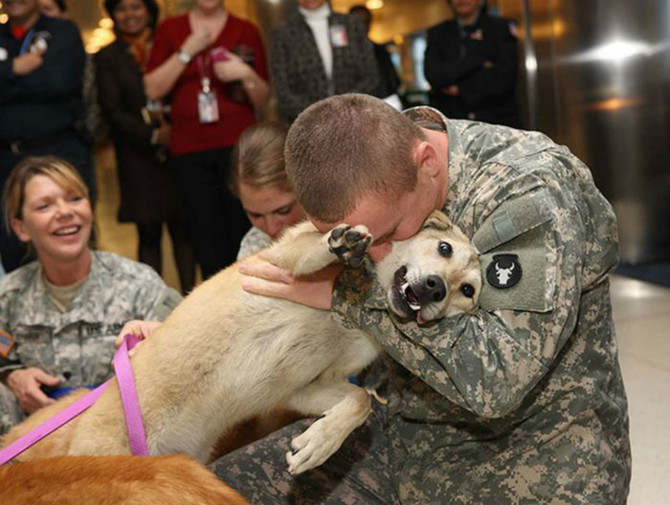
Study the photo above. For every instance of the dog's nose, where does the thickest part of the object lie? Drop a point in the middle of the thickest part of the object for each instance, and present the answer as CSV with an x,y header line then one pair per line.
x,y
433,290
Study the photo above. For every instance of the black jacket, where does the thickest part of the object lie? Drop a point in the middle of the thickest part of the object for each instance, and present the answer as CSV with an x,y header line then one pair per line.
x,y
482,60
298,74
49,99
121,96
389,82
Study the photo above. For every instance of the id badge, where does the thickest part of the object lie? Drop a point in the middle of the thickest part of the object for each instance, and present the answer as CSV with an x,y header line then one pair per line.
x,y
338,36
208,108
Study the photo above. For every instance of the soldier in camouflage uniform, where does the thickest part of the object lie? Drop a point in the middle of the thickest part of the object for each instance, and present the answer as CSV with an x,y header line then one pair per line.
x,y
520,403
66,333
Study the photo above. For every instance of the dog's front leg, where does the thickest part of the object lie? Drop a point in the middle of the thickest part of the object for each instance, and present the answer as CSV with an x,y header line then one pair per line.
x,y
343,407
304,250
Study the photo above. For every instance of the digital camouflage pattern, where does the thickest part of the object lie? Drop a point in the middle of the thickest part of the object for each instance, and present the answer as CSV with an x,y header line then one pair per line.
x,y
522,402
255,240
77,345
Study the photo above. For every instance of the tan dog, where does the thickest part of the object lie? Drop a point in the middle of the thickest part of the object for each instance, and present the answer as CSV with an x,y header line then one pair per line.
x,y
224,355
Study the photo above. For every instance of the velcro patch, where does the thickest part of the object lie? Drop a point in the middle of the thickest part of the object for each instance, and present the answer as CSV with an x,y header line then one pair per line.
x,y
6,343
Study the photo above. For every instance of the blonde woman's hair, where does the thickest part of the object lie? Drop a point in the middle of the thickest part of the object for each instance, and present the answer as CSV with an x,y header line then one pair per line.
x,y
258,158
60,171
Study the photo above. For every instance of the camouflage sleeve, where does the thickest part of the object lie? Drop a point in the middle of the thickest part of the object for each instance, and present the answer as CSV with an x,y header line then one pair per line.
x,y
253,241
9,359
489,361
155,300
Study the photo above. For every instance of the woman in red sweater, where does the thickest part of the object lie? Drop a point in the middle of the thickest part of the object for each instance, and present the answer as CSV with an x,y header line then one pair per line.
x,y
213,66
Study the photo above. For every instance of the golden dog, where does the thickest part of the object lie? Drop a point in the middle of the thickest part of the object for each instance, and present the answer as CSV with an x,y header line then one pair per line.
x,y
114,480
224,355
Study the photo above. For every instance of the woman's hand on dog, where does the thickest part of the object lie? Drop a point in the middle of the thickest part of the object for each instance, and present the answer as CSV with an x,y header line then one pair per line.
x,y
26,383
137,328
315,290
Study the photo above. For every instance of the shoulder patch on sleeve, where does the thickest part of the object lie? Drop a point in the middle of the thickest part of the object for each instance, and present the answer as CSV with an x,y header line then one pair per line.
x,y
6,343
504,271
515,249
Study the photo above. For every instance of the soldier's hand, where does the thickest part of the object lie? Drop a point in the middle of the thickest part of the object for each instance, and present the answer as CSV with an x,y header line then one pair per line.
x,y
26,383
137,328
315,290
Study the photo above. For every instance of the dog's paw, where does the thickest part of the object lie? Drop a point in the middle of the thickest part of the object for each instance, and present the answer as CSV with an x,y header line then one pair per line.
x,y
350,244
314,446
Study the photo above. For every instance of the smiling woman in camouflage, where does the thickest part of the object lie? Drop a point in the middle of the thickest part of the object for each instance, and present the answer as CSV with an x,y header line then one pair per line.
x,y
59,315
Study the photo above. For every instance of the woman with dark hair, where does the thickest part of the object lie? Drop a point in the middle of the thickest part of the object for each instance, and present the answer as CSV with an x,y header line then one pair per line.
x,y
141,138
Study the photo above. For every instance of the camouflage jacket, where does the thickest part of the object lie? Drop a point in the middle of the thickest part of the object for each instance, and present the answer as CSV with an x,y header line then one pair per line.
x,y
78,345
254,240
539,358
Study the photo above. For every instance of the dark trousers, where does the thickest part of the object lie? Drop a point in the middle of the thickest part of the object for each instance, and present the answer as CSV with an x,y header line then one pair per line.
x,y
149,251
358,473
216,219
68,147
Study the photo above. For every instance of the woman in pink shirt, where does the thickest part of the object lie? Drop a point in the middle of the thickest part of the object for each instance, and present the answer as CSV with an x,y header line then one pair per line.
x,y
213,66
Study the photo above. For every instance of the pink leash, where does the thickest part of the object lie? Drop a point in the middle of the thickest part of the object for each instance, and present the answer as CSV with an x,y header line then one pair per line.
x,y
124,375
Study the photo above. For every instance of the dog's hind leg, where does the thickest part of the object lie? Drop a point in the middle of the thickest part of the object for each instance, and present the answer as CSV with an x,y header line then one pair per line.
x,y
343,407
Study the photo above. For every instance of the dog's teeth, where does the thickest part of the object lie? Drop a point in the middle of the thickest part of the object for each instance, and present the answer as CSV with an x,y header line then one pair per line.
x,y
412,305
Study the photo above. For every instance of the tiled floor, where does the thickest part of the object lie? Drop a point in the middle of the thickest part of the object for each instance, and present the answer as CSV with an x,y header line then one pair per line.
x,y
642,316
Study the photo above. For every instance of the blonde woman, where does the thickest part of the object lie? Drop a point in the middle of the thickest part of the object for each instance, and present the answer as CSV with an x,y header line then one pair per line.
x,y
59,315
259,180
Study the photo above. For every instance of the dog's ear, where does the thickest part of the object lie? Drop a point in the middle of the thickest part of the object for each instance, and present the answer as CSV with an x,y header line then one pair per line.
x,y
438,221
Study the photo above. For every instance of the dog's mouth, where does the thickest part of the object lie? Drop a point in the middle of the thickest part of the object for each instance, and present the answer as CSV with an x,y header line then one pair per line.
x,y
404,300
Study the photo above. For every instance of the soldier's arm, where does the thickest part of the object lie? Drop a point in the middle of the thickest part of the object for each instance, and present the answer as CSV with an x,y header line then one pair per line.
x,y
487,362
154,300
9,359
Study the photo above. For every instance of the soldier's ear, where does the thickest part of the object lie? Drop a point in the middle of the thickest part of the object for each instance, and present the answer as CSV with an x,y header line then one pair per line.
x,y
438,221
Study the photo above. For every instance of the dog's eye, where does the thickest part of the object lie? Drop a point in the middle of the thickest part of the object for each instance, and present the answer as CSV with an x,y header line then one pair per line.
x,y
468,290
445,249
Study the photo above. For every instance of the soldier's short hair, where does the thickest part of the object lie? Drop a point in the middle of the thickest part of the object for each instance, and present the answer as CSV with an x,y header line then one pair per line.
x,y
347,146
57,169
258,158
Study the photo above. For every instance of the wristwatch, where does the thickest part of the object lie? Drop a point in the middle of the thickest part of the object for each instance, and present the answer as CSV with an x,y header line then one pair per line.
x,y
184,57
